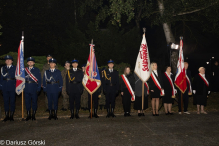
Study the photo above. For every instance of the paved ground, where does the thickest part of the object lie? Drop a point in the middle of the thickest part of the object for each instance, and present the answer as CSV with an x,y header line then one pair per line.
x,y
164,130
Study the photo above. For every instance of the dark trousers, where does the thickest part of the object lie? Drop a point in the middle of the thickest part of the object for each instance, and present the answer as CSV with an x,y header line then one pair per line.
x,y
28,98
126,100
9,100
94,99
185,101
110,97
74,97
53,100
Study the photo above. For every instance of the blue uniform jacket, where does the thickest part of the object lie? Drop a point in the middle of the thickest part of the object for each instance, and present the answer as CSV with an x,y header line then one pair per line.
x,y
33,87
8,85
54,77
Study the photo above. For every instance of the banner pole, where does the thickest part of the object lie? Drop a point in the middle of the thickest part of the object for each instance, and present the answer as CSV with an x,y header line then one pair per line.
x,y
182,102
22,105
142,95
91,106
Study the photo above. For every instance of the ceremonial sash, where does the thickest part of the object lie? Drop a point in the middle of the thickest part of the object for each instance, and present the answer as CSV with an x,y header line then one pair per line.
x,y
157,84
172,86
204,79
31,75
129,87
190,87
146,84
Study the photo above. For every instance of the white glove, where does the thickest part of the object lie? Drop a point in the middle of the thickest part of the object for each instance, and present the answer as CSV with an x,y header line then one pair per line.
x,y
209,92
175,91
194,91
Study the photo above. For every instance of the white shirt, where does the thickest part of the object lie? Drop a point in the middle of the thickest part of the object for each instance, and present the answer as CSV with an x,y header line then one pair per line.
x,y
203,75
52,70
169,75
74,69
110,70
155,71
8,66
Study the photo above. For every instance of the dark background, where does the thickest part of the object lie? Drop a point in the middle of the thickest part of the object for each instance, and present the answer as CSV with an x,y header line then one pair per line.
x,y
50,27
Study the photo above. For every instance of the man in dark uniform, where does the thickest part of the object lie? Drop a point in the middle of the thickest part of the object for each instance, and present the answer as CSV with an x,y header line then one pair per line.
x,y
46,66
110,87
7,84
32,87
52,86
74,88
186,93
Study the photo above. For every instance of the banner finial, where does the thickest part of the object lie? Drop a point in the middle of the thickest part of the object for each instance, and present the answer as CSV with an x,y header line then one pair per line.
x,y
92,41
181,37
144,29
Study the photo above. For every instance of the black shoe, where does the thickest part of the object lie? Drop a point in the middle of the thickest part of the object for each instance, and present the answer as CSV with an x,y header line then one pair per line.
x,y
156,114
28,116
167,113
76,115
33,116
95,113
125,115
50,115
170,113
47,110
6,117
64,109
72,114
139,114
112,113
108,113
11,116
55,115
142,114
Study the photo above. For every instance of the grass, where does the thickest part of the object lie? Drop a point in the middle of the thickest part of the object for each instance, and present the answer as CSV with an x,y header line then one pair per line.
x,y
212,106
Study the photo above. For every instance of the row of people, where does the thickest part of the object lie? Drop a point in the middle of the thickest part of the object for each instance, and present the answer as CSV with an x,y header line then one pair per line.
x,y
52,83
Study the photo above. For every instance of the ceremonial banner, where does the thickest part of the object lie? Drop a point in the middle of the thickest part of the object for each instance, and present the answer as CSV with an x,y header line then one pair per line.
x,y
20,73
91,80
142,66
180,80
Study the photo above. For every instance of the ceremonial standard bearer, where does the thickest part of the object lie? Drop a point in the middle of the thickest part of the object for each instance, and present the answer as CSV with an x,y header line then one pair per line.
x,y
169,89
32,87
52,86
74,88
201,89
156,88
7,84
110,87
187,92
46,66
127,90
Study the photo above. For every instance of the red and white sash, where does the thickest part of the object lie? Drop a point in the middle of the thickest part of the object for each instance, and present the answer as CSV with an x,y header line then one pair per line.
x,y
172,86
190,87
31,75
154,78
204,79
129,87
146,84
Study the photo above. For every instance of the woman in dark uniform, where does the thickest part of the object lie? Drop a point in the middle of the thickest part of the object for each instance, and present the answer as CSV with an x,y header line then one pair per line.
x,y
154,90
168,85
201,89
138,96
126,96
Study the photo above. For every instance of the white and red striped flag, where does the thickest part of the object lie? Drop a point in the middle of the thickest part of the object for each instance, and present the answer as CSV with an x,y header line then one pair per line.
x,y
180,80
